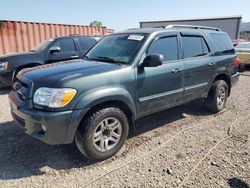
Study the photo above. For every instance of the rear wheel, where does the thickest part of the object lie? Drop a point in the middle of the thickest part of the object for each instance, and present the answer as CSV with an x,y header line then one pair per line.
x,y
217,96
242,67
102,134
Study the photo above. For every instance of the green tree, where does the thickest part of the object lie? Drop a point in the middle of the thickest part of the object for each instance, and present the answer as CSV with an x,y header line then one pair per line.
x,y
95,23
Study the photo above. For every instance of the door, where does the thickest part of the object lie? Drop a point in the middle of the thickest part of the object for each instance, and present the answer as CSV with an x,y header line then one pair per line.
x,y
198,66
160,87
67,51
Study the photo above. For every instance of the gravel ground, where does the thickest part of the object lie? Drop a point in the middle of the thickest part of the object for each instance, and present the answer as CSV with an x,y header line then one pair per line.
x,y
151,157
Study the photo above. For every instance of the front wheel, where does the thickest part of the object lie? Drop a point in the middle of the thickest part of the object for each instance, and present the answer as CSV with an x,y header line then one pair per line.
x,y
102,134
217,96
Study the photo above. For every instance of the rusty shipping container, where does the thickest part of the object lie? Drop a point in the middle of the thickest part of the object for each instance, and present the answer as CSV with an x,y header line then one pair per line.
x,y
18,36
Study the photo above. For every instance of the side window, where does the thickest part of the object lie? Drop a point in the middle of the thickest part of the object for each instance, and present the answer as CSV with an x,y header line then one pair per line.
x,y
223,43
194,46
166,46
86,43
66,45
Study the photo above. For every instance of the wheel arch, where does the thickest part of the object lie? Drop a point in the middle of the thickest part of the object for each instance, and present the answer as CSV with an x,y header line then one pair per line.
x,y
226,78
113,103
108,97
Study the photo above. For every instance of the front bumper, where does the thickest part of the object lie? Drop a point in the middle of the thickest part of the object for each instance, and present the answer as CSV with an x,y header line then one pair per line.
x,y
60,126
234,78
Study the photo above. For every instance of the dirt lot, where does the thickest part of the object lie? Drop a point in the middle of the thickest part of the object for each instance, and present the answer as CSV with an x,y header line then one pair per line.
x,y
152,157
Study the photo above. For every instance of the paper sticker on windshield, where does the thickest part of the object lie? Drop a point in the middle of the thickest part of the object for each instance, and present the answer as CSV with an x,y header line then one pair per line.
x,y
135,37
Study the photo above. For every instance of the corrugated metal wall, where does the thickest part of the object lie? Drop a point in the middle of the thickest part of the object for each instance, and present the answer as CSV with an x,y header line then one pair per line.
x,y
229,24
18,36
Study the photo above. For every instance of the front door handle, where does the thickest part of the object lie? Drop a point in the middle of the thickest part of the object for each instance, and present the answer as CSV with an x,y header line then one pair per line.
x,y
175,71
211,64
74,56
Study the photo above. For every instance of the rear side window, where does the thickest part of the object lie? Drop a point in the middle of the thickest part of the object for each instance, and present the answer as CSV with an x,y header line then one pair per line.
x,y
223,43
66,45
166,46
194,46
86,43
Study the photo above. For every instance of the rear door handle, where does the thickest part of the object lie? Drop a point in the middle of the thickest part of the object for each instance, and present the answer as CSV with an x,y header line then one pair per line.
x,y
211,64
74,56
175,71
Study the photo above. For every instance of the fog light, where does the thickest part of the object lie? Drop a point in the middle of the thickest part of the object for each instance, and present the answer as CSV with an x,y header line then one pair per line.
x,y
43,128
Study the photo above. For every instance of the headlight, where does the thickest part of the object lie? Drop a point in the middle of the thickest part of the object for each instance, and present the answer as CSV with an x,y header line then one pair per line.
x,y
54,98
3,65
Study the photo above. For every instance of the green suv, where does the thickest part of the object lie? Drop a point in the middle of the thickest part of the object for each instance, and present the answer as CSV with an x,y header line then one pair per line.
x,y
95,100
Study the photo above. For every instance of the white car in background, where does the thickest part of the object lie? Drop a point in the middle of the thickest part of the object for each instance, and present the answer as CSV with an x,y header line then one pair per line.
x,y
243,52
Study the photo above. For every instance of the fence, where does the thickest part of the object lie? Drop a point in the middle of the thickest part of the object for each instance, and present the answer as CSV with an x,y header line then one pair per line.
x,y
18,36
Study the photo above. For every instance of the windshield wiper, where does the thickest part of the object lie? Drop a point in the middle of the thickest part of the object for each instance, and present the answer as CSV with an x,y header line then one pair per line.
x,y
85,57
105,59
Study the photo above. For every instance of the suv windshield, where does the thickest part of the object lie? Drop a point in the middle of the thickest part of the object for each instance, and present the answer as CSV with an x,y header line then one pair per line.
x,y
118,48
43,45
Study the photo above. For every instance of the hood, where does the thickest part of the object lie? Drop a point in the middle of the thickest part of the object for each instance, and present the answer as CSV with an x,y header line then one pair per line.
x,y
15,55
21,59
66,70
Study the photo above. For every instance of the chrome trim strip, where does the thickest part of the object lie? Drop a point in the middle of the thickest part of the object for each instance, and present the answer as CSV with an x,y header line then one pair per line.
x,y
142,99
195,86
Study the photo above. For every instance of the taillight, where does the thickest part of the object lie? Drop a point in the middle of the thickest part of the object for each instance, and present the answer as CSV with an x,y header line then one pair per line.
x,y
237,62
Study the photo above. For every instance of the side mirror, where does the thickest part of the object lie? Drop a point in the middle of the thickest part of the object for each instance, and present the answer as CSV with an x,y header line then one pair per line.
x,y
54,49
153,60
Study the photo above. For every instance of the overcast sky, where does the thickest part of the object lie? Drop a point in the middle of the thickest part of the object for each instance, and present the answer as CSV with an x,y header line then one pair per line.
x,y
119,14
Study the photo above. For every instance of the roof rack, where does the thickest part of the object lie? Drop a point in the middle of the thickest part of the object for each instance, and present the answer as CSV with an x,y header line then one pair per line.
x,y
135,28
163,27
193,27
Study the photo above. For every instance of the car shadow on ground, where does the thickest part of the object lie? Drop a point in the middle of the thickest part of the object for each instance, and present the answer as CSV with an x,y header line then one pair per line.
x,y
237,183
148,123
24,156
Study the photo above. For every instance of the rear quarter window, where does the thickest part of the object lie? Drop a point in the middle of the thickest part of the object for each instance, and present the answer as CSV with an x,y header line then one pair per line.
x,y
223,43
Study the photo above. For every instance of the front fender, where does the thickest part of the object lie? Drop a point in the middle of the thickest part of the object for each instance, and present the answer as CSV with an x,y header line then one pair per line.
x,y
103,95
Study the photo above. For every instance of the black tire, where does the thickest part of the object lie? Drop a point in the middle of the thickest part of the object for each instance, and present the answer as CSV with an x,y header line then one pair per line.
x,y
84,138
242,67
218,89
